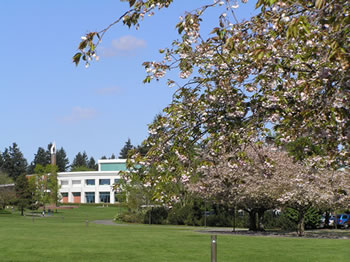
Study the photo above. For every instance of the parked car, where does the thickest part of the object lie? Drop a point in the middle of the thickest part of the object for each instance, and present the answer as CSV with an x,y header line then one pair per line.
x,y
343,220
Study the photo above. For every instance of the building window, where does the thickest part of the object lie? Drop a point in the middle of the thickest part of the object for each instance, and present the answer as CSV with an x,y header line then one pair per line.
x,y
104,182
117,181
90,197
76,182
64,182
90,182
104,197
64,194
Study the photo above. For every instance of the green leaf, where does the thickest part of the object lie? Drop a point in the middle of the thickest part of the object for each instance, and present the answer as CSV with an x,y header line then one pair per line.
x,y
147,79
319,4
76,58
180,28
261,55
259,3
83,44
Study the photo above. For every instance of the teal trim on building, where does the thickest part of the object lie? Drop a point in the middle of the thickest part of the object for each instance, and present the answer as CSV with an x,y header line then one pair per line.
x,y
113,166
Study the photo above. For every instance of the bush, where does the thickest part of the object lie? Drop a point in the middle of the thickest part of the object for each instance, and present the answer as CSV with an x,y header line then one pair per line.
x,y
158,215
181,215
288,219
130,217
312,218
5,212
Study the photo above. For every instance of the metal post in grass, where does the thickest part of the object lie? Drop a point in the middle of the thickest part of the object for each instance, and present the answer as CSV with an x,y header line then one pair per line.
x,y
62,218
87,223
213,248
234,218
205,214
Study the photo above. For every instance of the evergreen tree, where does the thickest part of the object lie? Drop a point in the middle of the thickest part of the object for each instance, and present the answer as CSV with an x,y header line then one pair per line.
x,y
14,163
103,157
112,156
92,164
23,194
1,160
42,157
125,150
142,149
80,160
62,161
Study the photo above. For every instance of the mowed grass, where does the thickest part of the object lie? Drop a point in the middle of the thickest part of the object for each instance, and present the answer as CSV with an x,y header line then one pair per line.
x,y
69,239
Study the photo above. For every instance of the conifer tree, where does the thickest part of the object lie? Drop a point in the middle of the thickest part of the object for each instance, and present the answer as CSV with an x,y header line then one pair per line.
x,y
23,194
14,163
42,157
62,160
92,164
80,160
125,150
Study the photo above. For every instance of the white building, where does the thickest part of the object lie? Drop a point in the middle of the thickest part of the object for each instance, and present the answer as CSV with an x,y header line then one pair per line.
x,y
91,186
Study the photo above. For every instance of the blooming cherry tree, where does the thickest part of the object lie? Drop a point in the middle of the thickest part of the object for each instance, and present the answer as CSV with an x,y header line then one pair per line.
x,y
285,70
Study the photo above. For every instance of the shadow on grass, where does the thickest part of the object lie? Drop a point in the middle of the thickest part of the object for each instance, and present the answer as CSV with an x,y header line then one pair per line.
x,y
317,233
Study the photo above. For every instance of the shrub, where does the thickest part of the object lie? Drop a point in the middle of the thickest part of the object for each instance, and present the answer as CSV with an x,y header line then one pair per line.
x,y
158,215
5,212
288,219
130,217
181,215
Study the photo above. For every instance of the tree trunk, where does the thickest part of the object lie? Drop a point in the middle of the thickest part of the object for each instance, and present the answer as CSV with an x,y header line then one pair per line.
x,y
261,213
252,220
326,220
301,223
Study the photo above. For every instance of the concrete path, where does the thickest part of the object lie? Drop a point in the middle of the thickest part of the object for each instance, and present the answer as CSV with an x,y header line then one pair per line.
x,y
108,223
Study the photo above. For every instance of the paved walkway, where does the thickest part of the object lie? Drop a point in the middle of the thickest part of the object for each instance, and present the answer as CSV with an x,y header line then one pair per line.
x,y
108,223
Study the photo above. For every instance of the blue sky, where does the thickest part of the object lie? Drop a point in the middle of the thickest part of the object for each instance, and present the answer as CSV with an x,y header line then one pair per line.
x,y
45,98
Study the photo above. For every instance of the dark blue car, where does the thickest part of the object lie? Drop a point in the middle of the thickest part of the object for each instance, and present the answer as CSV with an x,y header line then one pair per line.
x,y
343,220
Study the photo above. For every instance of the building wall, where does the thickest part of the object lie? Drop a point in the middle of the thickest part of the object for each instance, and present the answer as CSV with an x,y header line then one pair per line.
x,y
73,183
75,189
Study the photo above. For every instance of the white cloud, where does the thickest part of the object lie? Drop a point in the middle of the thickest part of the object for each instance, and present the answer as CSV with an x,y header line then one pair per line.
x,y
125,45
79,114
106,91
128,42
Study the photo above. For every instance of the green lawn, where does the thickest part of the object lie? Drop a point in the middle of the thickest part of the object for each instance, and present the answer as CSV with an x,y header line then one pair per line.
x,y
56,239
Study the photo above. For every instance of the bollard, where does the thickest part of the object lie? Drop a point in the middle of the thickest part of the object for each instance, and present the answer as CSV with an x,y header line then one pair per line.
x,y
87,223
62,218
213,248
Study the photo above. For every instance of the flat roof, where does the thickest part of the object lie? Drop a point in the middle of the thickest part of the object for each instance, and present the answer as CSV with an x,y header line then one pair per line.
x,y
87,173
105,161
